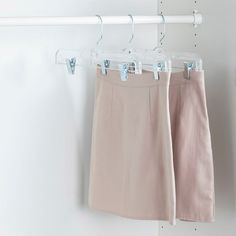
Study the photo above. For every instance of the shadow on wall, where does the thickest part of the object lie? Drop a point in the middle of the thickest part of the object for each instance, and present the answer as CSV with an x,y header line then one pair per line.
x,y
221,123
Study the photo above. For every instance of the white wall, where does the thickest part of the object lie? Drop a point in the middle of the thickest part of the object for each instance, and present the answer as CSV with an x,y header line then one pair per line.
x,y
45,121
216,43
45,117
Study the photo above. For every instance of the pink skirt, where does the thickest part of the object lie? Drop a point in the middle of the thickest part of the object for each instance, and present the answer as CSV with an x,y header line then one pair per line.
x,y
151,153
192,152
132,171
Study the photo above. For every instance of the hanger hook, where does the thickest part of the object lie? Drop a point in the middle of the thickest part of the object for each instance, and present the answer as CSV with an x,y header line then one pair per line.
x,y
132,35
164,29
101,32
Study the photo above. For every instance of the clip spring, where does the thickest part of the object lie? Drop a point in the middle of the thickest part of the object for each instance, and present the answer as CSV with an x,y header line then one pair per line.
x,y
135,67
124,68
132,67
104,66
188,66
71,63
159,67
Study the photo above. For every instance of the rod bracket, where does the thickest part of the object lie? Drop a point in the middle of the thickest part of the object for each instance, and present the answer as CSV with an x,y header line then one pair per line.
x,y
197,18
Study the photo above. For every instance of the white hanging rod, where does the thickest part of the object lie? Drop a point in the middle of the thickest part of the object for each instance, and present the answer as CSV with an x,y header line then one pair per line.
x,y
195,19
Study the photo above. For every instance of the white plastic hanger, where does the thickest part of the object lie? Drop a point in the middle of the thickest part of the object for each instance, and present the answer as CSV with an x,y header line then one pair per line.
x,y
130,60
122,60
70,58
179,60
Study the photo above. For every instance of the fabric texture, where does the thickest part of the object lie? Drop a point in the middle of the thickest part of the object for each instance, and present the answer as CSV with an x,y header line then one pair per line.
x,y
192,152
132,172
151,155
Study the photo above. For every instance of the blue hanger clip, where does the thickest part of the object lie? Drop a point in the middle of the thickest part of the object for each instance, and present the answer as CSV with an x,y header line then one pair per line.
x,y
124,68
158,67
188,66
104,66
71,63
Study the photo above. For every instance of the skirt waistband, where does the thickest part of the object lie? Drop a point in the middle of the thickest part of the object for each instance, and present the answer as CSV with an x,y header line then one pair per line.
x,y
146,79
179,77
135,80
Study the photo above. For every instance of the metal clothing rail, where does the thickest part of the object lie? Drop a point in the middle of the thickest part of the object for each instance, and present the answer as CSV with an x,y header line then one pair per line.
x,y
195,19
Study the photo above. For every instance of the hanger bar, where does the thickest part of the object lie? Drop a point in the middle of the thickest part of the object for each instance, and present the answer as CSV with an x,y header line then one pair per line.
x,y
195,19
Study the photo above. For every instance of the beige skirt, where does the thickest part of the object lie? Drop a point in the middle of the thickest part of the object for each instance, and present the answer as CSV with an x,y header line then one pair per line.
x,y
151,148
192,152
132,172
